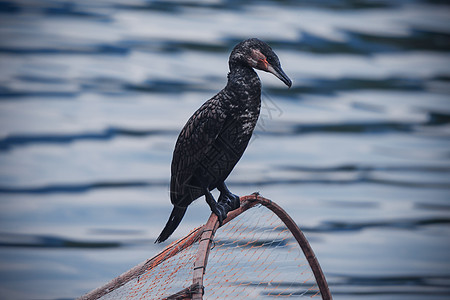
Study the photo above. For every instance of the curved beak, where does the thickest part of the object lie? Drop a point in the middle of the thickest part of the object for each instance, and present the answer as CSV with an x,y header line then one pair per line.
x,y
279,73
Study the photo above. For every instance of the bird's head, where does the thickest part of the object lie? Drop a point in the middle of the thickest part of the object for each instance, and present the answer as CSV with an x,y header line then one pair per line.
x,y
257,54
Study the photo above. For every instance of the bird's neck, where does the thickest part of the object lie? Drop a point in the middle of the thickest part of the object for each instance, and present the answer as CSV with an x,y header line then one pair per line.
x,y
243,82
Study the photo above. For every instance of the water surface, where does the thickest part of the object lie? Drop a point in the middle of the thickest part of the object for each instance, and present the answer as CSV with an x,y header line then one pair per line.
x,y
93,95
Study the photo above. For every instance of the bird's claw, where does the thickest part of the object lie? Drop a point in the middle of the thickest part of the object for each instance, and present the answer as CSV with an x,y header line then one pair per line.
x,y
231,201
226,203
221,212
235,202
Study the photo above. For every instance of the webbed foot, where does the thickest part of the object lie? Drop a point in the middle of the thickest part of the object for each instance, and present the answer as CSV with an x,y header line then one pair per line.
x,y
221,211
218,208
230,200
233,201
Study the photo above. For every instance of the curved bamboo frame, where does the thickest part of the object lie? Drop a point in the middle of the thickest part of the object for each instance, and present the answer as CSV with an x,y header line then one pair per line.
x,y
206,236
247,202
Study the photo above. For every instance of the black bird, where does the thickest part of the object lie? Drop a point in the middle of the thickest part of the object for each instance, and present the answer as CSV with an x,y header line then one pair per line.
x,y
215,137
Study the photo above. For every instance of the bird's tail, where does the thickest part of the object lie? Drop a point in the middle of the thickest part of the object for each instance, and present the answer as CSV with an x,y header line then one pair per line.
x,y
174,220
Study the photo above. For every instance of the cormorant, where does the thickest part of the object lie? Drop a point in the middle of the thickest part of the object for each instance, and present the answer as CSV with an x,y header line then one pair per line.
x,y
215,137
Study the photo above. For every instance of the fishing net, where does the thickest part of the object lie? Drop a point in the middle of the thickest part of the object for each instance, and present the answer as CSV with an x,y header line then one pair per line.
x,y
258,253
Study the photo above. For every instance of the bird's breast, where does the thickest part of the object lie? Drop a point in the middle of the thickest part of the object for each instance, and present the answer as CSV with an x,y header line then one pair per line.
x,y
248,119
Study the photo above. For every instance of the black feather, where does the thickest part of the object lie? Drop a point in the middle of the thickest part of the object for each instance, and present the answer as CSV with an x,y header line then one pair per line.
x,y
217,134
174,220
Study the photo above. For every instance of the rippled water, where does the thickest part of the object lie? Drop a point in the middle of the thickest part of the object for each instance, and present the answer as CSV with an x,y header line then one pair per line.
x,y
94,93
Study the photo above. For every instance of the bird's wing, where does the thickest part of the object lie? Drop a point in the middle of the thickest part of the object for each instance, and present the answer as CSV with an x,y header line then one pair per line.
x,y
195,139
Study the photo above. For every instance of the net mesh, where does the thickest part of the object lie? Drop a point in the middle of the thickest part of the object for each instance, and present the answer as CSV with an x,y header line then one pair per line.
x,y
252,256
166,276
255,255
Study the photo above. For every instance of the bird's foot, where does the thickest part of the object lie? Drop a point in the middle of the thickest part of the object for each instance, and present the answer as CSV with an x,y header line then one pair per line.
x,y
220,211
230,200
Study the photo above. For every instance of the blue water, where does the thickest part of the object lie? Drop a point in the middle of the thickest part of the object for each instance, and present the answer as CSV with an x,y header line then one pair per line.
x,y
94,93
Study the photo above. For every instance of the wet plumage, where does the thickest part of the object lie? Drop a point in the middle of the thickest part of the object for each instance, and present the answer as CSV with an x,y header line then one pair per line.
x,y
217,134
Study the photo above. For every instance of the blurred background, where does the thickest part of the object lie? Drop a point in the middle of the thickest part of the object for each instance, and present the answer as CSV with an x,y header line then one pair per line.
x,y
94,93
